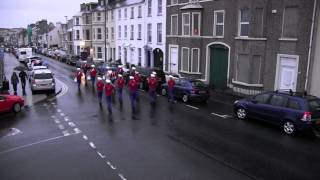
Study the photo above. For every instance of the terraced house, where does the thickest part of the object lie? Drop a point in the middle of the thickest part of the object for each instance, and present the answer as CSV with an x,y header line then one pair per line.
x,y
247,46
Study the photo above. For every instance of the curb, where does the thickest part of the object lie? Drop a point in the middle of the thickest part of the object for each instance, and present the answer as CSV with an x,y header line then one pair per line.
x,y
48,97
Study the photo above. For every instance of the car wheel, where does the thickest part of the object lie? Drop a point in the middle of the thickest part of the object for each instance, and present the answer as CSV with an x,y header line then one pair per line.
x,y
164,91
16,108
185,98
289,127
241,113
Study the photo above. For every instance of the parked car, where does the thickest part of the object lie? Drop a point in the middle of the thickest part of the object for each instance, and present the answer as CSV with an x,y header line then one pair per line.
x,y
42,80
145,74
34,68
33,60
292,111
188,90
104,67
72,59
60,55
10,103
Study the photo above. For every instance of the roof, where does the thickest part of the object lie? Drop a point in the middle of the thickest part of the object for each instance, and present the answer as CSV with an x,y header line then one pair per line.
x,y
42,71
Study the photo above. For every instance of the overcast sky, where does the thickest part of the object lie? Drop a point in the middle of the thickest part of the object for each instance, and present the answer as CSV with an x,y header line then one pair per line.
x,y
20,13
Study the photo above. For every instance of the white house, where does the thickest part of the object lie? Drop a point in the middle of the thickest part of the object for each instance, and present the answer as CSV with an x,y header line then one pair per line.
x,y
110,33
54,36
98,29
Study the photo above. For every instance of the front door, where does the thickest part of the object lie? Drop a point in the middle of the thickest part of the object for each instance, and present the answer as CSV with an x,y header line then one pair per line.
x,y
288,71
218,66
173,63
158,58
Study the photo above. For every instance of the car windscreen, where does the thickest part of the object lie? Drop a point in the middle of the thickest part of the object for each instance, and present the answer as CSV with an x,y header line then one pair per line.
x,y
43,76
198,84
23,53
314,105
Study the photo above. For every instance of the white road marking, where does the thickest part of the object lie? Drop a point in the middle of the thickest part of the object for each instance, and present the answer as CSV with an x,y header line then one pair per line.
x,y
61,126
57,121
77,130
31,144
62,114
66,133
92,145
64,90
102,156
192,107
122,177
85,137
13,132
222,116
58,110
111,166
66,118
71,124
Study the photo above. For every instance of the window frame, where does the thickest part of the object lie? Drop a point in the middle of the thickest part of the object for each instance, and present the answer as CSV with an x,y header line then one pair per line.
x,y
161,34
149,33
99,33
112,33
215,23
131,32
160,7
132,12
192,23
149,8
139,12
139,31
243,23
125,31
98,17
171,27
99,53
119,32
119,14
183,24
182,59
191,67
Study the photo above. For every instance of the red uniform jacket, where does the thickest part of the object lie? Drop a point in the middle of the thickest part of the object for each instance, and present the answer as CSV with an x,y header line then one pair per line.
x,y
93,72
152,84
108,89
132,86
137,78
171,84
119,71
120,83
79,76
100,86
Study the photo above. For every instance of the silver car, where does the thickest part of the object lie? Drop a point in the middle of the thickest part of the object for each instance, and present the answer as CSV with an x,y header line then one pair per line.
x,y
43,80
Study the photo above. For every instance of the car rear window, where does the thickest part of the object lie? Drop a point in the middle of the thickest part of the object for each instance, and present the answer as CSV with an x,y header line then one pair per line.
x,y
293,104
23,52
314,105
43,76
262,98
277,100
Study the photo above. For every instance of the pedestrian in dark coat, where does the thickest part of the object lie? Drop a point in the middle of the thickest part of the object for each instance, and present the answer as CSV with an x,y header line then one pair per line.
x,y
5,85
23,77
14,82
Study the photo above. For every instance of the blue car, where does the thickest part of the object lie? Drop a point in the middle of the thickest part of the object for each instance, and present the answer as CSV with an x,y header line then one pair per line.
x,y
292,111
188,90
103,68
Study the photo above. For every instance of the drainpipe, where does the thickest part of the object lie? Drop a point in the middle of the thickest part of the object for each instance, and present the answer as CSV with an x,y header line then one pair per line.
x,y
310,46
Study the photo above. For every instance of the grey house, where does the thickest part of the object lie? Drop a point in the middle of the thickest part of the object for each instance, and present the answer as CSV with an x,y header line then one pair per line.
x,y
247,46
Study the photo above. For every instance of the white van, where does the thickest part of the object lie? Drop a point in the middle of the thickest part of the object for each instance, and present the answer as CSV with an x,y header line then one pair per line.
x,y
42,80
24,54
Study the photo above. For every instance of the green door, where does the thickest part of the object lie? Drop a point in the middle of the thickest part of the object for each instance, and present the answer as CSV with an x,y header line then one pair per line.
x,y
218,66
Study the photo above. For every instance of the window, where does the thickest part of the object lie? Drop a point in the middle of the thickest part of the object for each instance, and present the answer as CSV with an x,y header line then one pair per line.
x,y
244,23
112,15
195,24
149,33
119,32
77,21
87,19
94,33
159,33
195,54
132,32
87,34
139,56
243,68
125,13
186,24
139,11
293,104
174,2
314,105
112,33
218,29
119,14
139,31
125,32
77,35
99,52
78,50
185,59
132,13
119,52
255,69
174,24
125,55
277,100
99,33
262,98
107,33
98,16
258,22
159,7
149,7
290,22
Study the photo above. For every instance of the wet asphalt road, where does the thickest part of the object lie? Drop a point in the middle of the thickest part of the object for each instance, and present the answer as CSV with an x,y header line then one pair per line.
x,y
70,137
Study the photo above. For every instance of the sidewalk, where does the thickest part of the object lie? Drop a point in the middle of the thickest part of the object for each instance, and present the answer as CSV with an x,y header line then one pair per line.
x,y
225,96
10,62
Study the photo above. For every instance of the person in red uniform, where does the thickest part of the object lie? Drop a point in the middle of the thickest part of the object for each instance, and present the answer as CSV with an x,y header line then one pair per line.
x,y
79,77
153,83
120,85
120,70
93,74
132,85
171,84
109,90
100,86
137,78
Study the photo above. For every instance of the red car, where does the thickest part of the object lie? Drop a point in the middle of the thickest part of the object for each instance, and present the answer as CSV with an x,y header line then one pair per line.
x,y
11,103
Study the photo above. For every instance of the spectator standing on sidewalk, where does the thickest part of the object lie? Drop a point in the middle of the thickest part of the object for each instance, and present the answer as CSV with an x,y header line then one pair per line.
x,y
120,85
109,91
14,82
132,85
100,86
171,84
152,82
93,74
5,85
23,77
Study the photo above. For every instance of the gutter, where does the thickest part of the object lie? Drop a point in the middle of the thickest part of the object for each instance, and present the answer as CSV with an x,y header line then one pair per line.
x,y
310,46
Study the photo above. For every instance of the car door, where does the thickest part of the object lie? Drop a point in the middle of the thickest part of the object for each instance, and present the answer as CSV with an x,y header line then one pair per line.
x,y
276,108
3,104
177,88
256,106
